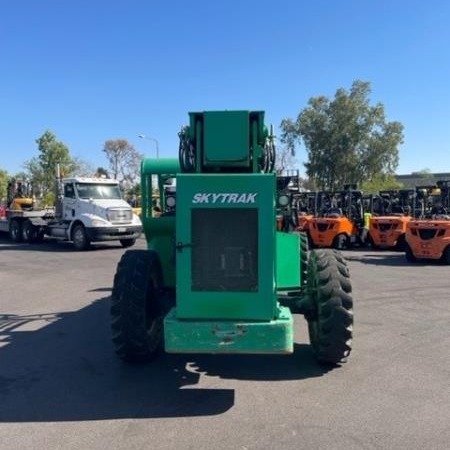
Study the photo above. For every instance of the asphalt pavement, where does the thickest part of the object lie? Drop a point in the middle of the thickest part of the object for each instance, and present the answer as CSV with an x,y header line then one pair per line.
x,y
62,387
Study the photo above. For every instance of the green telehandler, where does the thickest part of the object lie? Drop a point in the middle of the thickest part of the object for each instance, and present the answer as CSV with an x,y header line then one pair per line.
x,y
217,275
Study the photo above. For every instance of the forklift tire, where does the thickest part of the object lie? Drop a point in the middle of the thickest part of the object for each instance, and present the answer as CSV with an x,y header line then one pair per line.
x,y
28,232
15,230
409,255
401,243
330,322
127,242
371,242
79,238
446,256
136,309
340,242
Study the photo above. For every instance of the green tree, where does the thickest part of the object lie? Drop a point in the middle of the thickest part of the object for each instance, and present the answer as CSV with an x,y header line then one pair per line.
x,y
423,173
380,183
124,161
346,139
4,178
42,169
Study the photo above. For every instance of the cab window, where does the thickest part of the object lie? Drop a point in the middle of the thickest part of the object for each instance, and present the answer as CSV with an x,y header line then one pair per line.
x,y
69,191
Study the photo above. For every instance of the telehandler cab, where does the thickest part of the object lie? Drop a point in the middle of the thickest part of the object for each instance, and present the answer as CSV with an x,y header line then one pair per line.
x,y
217,276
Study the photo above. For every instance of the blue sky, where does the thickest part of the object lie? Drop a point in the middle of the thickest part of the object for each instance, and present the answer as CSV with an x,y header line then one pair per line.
x,y
92,70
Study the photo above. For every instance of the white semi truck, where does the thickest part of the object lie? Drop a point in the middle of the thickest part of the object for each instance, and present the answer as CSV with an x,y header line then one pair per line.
x,y
87,210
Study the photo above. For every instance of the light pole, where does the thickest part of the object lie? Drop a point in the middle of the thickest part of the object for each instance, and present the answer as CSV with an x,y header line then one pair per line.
x,y
143,136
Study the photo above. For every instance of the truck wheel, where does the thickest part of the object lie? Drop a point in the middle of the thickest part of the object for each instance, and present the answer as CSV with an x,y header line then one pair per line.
x,y
409,255
127,242
15,230
39,236
79,238
28,232
136,309
340,242
330,322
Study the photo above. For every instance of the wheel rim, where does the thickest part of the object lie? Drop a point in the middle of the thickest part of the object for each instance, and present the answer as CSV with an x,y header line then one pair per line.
x,y
78,237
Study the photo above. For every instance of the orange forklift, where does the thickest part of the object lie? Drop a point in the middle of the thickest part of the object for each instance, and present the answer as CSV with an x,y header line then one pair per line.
x,y
340,220
387,226
429,236
306,205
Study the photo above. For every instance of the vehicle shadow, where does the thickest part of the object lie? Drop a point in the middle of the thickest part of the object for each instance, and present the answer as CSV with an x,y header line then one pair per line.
x,y
300,365
50,245
61,367
387,259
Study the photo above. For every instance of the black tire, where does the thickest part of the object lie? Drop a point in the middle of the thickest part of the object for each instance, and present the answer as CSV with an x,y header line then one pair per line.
x,y
310,240
330,323
15,230
304,248
127,242
446,256
370,241
340,242
409,255
401,243
137,311
79,238
186,155
39,236
29,232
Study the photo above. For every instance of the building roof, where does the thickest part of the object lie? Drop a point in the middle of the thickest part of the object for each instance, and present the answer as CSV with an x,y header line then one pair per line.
x,y
421,178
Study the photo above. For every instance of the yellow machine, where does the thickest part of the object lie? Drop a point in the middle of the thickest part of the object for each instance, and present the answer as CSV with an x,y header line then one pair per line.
x,y
20,197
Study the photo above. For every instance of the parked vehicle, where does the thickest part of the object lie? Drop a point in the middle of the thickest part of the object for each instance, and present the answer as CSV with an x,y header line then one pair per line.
x,y
217,276
387,229
340,220
87,210
429,236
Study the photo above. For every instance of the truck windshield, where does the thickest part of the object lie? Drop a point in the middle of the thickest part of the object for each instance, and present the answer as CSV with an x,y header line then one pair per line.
x,y
98,191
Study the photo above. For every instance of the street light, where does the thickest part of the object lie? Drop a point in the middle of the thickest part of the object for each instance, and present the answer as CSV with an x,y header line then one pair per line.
x,y
143,136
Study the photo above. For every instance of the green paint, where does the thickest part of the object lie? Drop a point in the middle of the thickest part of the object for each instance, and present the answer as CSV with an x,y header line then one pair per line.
x,y
159,231
220,251
219,192
288,260
220,336
226,139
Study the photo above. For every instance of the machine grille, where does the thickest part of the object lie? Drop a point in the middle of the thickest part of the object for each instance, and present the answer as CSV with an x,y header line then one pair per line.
x,y
120,215
427,233
385,226
225,249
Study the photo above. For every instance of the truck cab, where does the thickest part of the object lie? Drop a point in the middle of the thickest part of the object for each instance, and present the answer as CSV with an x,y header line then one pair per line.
x,y
92,209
